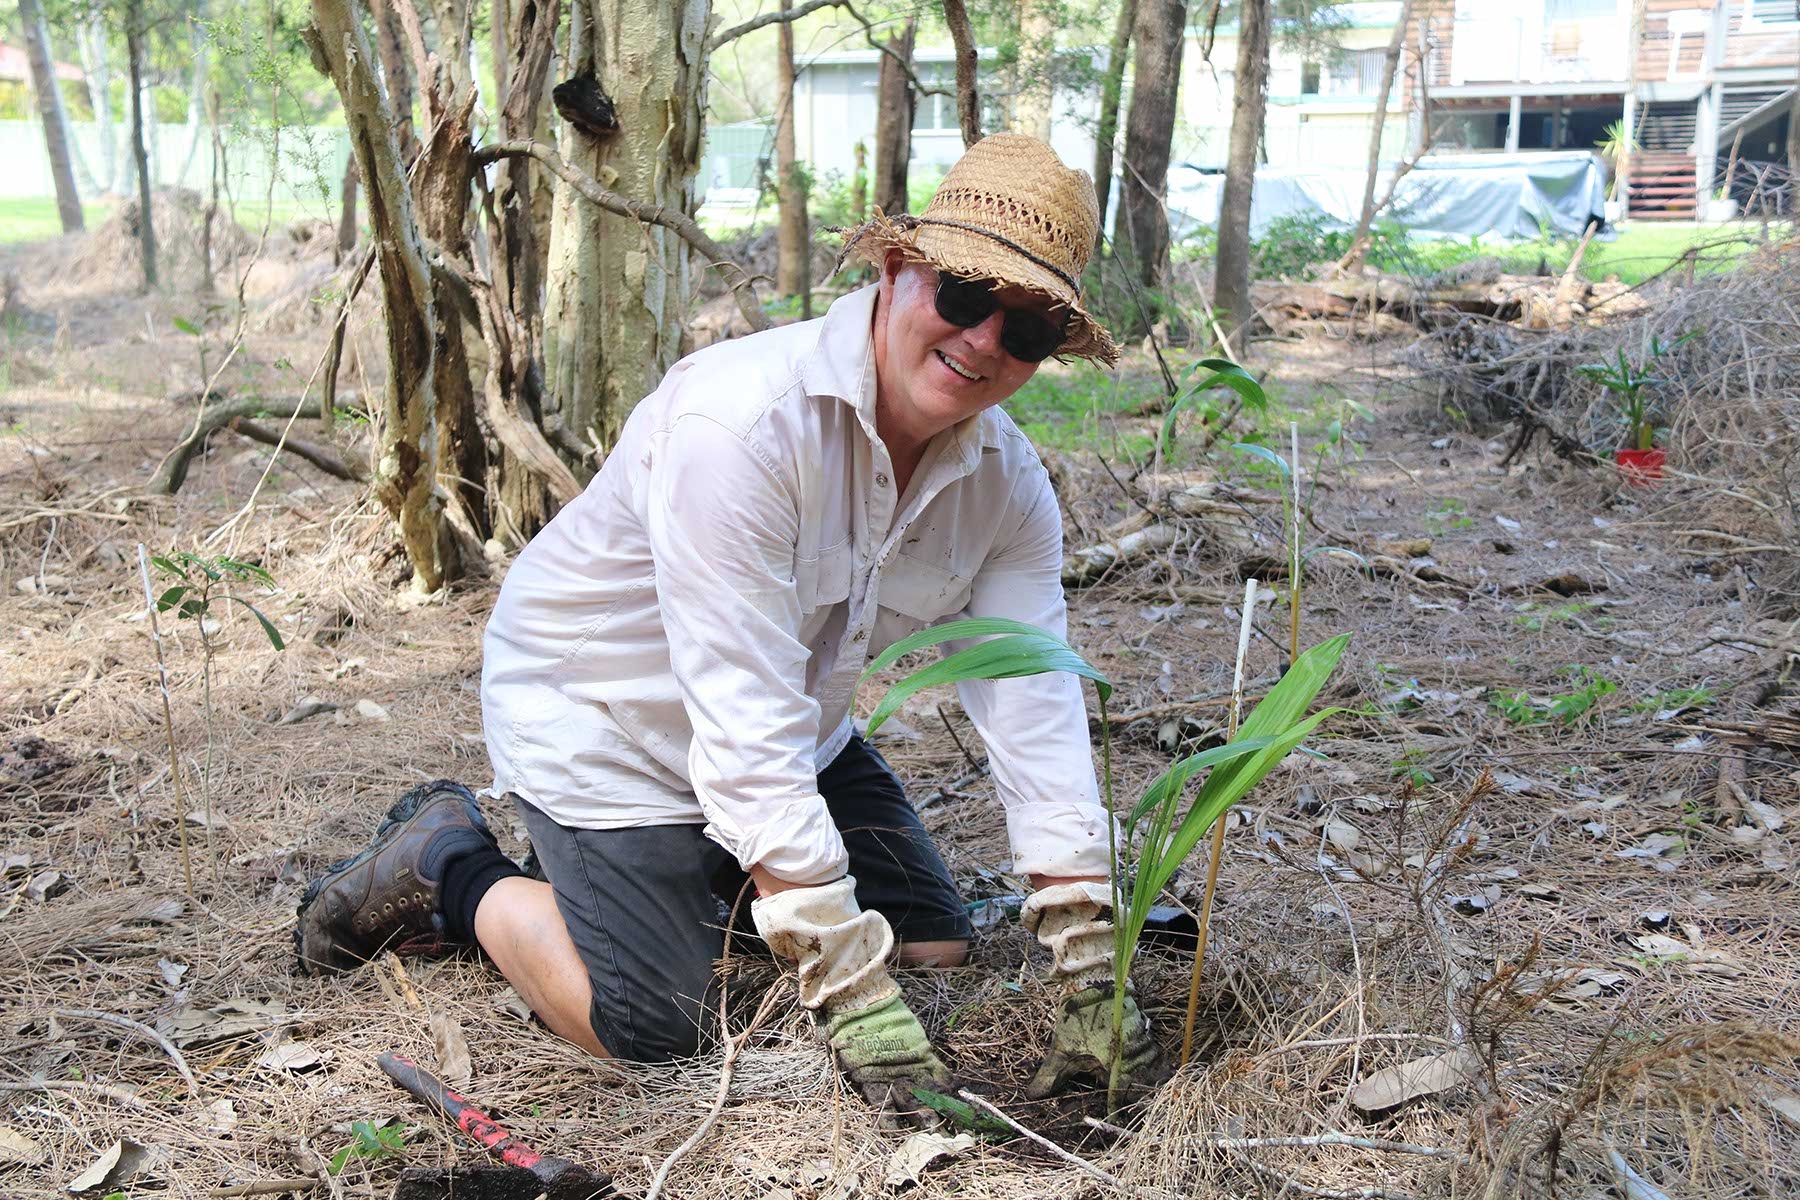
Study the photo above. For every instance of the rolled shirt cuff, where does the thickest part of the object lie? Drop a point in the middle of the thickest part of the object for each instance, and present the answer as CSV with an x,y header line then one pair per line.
x,y
1059,837
796,843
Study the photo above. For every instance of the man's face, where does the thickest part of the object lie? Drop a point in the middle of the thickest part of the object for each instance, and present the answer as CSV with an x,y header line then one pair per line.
x,y
933,374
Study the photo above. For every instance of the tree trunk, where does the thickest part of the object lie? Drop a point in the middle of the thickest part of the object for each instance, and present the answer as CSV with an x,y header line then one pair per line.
x,y
50,111
134,48
893,124
619,292
516,327
859,184
396,73
793,247
406,466
196,121
1390,65
968,100
1107,131
91,38
1231,290
346,228
1037,67
1149,131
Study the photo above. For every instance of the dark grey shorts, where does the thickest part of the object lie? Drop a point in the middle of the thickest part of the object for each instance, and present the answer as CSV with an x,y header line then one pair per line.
x,y
647,907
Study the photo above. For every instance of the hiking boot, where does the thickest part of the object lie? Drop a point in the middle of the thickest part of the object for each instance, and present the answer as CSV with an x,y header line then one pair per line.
x,y
388,896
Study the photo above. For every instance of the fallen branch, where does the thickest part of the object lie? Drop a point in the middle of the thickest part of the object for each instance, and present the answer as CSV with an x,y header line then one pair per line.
x,y
318,456
142,1030
735,277
82,1086
172,472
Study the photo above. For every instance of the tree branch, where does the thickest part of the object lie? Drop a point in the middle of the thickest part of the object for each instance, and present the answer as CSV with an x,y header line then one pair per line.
x,y
968,100
770,18
173,471
735,277
899,60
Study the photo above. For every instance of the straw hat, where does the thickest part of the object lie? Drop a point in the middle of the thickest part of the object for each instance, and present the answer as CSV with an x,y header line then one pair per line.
x,y
1008,211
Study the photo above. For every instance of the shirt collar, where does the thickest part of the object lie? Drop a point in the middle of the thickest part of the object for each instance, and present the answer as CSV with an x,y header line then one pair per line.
x,y
843,365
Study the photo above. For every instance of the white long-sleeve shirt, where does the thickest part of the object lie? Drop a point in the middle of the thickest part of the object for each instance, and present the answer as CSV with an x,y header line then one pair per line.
x,y
681,644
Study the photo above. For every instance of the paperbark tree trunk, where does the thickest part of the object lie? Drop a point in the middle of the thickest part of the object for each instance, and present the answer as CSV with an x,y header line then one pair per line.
x,y
968,99
793,238
134,51
1112,86
1231,291
1037,68
1390,66
51,113
396,73
346,228
893,124
516,325
406,467
197,71
619,292
91,38
1143,220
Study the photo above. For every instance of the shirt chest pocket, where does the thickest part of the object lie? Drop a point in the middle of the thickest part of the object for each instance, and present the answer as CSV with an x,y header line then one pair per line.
x,y
823,580
915,593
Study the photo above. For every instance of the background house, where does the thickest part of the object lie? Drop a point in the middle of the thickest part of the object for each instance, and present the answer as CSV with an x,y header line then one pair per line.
x,y
1321,98
835,108
1703,77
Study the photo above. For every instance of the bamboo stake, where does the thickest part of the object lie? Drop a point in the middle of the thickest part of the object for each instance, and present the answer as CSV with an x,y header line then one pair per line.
x,y
1294,522
1218,837
162,673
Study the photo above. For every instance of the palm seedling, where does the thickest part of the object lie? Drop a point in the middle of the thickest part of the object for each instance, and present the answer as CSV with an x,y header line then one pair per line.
x,y
1151,840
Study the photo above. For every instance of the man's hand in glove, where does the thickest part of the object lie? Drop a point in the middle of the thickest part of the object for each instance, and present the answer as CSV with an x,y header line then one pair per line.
x,y
1071,919
1081,1044
882,1049
841,953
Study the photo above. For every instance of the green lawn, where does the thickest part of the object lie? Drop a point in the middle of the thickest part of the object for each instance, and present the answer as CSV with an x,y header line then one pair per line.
x,y
34,219
1641,249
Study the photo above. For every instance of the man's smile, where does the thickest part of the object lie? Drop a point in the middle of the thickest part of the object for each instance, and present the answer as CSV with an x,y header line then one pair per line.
x,y
958,366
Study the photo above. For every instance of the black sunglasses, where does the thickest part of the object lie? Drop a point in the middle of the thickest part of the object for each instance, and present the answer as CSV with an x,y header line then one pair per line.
x,y
1027,336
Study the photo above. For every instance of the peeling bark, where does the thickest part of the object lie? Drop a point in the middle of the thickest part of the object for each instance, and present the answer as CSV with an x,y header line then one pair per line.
x,y
619,292
405,467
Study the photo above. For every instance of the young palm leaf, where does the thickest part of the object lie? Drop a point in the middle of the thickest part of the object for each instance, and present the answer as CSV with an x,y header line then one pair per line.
x,y
1224,373
1013,649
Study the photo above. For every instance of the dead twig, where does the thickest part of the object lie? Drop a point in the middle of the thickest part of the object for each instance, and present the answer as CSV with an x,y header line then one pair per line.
x,y
142,1030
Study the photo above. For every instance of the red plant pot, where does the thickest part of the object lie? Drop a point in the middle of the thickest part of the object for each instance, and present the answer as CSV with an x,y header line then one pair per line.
x,y
1641,468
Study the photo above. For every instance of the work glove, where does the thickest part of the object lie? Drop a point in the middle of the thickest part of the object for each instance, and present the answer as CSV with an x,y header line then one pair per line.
x,y
841,954
1072,921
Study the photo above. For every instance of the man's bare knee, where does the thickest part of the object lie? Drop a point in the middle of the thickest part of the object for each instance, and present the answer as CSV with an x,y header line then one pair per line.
x,y
951,952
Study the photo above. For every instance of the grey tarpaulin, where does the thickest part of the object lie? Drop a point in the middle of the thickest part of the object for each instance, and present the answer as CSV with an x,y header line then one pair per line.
x,y
1510,195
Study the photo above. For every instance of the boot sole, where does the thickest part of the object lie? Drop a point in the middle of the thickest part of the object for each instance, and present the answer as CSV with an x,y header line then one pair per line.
x,y
398,814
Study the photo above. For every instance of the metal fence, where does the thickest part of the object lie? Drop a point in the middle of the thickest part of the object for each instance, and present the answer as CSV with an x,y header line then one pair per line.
x,y
305,164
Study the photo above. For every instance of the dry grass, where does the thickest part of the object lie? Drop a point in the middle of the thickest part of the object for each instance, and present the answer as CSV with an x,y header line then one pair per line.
x,y
1326,966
